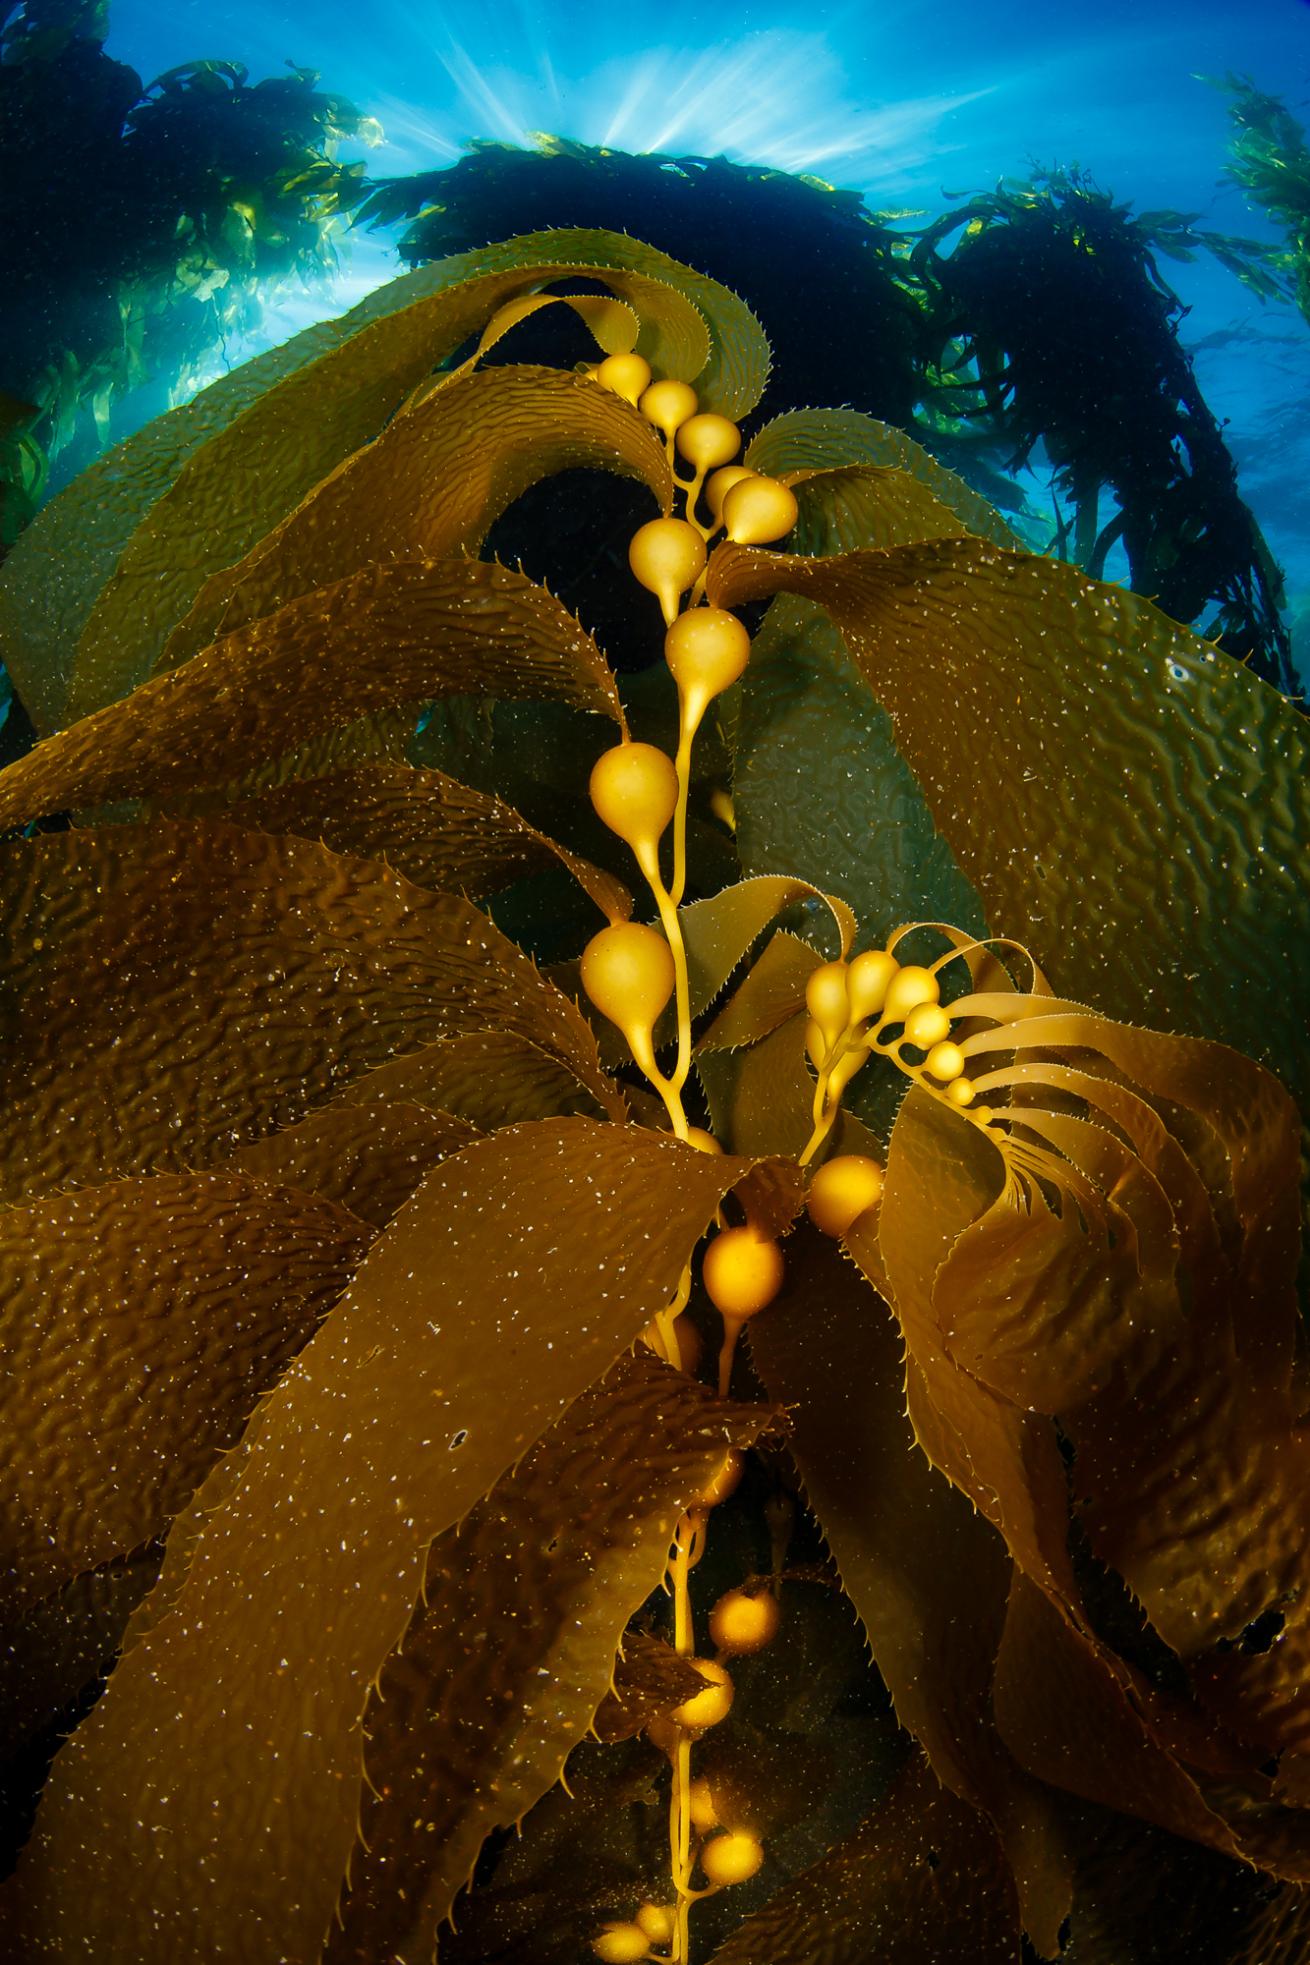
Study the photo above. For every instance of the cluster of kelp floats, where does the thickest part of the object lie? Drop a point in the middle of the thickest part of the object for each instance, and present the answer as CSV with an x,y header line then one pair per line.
x,y
342,1245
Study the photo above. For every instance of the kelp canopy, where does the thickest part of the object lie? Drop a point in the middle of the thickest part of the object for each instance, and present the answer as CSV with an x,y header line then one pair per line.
x,y
142,226
334,1221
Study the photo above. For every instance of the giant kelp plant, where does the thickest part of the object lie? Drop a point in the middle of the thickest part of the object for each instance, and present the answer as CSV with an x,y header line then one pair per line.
x,y
1048,320
140,227
448,1394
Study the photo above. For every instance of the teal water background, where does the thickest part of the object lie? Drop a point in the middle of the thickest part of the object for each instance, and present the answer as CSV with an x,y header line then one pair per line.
x,y
904,103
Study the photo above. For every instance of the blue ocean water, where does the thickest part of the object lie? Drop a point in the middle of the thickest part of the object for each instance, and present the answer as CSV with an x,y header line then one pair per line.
x,y
902,103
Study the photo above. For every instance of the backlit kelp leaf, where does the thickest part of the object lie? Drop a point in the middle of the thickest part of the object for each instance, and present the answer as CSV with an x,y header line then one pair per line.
x,y
367,1158
177,511
921,1881
835,439
928,1576
53,573
175,991
493,1078
431,486
507,1285
140,1321
1027,699
512,1651
401,633
434,830
819,787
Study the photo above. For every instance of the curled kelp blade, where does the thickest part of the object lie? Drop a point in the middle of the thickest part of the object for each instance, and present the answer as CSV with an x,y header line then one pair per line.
x,y
1025,699
436,831
408,632
721,930
430,486
911,1551
141,1321
512,1281
158,514
1187,1473
922,1877
834,440
176,990
511,1652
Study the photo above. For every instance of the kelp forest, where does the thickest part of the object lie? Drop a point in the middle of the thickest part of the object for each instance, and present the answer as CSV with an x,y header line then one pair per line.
x,y
655,1065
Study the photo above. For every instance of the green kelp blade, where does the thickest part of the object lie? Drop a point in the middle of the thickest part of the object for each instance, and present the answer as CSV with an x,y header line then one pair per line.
x,y
820,789
196,490
835,439
922,1881
436,831
139,1324
175,991
210,1802
406,632
819,786
512,1651
430,487
1130,803
493,1078
927,1575
367,1158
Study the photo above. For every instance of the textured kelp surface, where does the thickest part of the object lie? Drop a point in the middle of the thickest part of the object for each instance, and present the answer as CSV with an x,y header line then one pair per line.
x,y
336,1224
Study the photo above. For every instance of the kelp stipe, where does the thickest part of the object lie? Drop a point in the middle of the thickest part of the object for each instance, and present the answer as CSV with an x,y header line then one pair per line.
x,y
415,1329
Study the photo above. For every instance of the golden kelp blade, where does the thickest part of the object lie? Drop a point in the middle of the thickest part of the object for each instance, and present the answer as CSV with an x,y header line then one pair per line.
x,y
277,426
429,487
367,1158
509,1283
1028,701
128,1368
405,632
493,1078
434,830
507,1660
159,575
144,1029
